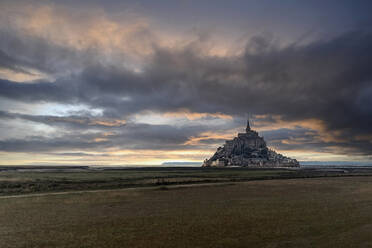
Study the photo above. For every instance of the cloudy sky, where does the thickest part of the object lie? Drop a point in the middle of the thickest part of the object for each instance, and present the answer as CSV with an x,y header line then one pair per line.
x,y
146,82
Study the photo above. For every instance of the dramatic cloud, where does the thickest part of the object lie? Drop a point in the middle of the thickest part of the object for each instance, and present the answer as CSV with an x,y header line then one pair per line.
x,y
303,96
70,121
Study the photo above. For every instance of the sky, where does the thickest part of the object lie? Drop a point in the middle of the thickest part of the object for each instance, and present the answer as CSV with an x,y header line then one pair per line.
x,y
148,82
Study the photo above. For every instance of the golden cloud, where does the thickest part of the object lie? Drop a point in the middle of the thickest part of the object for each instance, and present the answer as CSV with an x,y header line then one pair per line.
x,y
195,140
82,29
27,75
195,115
264,123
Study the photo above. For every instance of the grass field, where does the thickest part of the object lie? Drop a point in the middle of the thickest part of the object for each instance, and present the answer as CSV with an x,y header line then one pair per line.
x,y
316,212
35,180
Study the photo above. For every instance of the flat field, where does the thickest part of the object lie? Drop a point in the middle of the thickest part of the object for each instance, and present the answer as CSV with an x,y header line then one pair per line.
x,y
23,180
311,212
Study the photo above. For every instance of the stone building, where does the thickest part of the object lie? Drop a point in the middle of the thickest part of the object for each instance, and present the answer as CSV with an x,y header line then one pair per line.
x,y
248,150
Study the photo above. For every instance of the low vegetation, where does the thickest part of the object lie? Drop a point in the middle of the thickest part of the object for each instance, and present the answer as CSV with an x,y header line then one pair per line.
x,y
314,212
36,180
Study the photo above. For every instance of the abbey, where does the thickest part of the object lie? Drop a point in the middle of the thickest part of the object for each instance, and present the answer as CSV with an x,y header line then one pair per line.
x,y
248,150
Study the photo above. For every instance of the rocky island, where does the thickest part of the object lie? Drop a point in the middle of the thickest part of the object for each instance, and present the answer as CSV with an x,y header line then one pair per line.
x,y
248,150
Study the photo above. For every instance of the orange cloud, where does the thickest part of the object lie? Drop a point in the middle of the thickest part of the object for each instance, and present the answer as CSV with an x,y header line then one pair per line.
x,y
82,29
211,135
127,34
364,138
195,115
317,125
108,123
90,122
28,75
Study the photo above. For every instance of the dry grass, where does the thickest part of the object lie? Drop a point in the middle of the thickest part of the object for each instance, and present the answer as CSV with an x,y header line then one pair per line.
x,y
31,181
323,212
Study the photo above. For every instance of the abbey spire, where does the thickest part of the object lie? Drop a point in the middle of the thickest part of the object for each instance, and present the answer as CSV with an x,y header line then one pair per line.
x,y
248,129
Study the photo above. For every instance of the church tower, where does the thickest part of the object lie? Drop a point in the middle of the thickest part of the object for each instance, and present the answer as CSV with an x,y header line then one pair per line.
x,y
248,129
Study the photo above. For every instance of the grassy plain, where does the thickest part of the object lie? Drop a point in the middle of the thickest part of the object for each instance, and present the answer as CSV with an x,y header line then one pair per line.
x,y
33,181
18,180
312,212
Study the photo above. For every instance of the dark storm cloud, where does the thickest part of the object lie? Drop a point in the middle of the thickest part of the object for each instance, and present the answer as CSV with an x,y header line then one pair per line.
x,y
212,141
329,80
76,122
21,52
44,144
130,136
8,62
306,135
36,92
289,78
